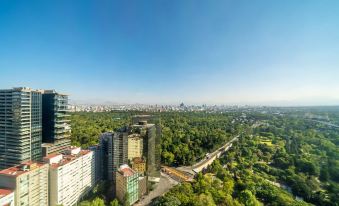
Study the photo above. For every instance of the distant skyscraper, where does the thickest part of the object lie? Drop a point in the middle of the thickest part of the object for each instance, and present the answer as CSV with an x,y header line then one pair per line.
x,y
20,126
56,129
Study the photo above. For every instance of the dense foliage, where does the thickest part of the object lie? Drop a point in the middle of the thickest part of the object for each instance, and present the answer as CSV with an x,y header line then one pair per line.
x,y
186,137
278,158
282,154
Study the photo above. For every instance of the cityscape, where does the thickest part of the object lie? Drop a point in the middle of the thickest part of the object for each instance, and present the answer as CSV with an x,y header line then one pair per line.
x,y
36,150
169,103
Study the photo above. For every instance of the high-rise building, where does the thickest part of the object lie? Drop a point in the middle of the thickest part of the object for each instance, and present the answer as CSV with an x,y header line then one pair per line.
x,y
151,149
71,176
98,161
29,181
114,151
20,126
6,197
55,121
127,185
135,146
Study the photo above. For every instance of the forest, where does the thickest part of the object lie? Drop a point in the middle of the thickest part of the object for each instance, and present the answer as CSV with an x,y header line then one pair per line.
x,y
283,157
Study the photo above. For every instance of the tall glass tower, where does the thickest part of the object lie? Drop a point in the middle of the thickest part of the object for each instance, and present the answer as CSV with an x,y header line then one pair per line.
x,y
20,126
55,122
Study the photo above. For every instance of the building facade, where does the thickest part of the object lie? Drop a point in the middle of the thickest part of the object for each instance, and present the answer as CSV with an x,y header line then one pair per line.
x,y
20,126
114,148
127,185
139,165
55,121
135,146
98,162
151,148
29,181
71,176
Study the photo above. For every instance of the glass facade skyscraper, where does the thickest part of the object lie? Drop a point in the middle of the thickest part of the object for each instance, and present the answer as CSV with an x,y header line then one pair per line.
x,y
20,126
55,122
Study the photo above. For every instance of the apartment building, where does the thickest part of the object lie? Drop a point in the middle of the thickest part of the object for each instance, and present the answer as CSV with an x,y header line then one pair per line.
x,y
71,176
127,182
29,181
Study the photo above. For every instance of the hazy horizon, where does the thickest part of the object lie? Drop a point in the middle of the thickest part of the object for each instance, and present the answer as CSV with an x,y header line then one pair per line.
x,y
273,53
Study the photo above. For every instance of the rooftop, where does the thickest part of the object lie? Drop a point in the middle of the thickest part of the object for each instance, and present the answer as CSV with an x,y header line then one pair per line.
x,y
126,171
134,135
65,158
4,192
143,124
51,91
137,160
21,169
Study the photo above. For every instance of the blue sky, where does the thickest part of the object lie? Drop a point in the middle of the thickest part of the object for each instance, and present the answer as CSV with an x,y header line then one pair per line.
x,y
282,52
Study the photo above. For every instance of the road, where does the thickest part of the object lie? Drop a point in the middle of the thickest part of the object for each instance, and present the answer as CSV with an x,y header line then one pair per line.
x,y
207,161
165,184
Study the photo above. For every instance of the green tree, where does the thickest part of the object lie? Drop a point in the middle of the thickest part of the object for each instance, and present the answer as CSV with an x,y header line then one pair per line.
x,y
115,202
248,199
204,200
98,202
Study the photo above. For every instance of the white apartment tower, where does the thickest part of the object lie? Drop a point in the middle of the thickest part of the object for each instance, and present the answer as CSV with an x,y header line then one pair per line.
x,y
71,175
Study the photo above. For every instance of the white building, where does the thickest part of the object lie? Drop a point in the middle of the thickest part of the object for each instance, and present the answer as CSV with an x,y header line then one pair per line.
x,y
6,197
29,181
71,176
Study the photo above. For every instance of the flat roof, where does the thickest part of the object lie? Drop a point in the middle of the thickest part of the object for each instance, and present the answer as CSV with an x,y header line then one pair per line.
x,y
19,169
5,192
67,158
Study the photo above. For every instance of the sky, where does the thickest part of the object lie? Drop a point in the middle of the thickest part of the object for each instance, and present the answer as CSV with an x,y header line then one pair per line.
x,y
257,52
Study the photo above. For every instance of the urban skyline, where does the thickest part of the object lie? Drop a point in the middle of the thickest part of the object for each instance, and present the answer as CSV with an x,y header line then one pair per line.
x,y
224,52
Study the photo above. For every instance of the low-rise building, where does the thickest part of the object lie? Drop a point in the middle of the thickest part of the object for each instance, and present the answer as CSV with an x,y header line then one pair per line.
x,y
71,176
142,186
29,181
6,197
138,165
127,184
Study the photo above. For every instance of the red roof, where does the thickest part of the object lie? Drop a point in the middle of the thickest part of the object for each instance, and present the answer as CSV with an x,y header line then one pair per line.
x,y
4,192
51,155
126,171
17,170
69,158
